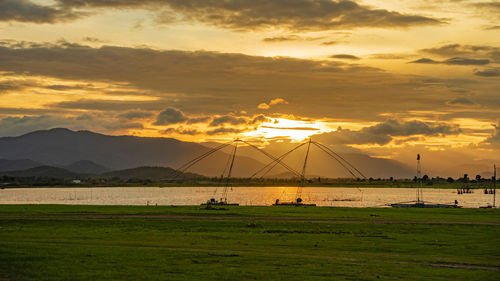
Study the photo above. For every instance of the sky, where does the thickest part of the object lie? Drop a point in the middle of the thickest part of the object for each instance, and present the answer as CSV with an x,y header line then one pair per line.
x,y
388,78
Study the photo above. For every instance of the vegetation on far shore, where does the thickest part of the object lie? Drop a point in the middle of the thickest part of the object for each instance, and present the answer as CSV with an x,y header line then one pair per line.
x,y
196,180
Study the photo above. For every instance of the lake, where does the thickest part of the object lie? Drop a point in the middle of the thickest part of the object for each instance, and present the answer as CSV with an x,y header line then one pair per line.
x,y
322,196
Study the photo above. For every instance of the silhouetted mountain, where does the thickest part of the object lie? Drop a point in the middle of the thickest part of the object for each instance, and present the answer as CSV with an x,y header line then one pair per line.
x,y
17,164
153,173
42,171
321,164
62,147
86,167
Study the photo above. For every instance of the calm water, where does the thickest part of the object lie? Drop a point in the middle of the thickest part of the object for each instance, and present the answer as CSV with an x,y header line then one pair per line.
x,y
345,197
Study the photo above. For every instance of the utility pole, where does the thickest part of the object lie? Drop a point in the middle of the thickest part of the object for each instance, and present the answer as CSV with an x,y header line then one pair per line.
x,y
419,180
494,184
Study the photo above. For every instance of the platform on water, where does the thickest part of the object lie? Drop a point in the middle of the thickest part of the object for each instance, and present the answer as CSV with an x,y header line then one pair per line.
x,y
214,202
293,204
423,205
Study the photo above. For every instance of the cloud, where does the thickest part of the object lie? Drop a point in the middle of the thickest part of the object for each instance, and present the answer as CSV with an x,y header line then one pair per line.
x,y
27,11
220,131
263,106
277,101
384,132
196,120
107,105
292,37
424,60
397,128
170,116
292,128
272,102
182,131
491,72
461,101
15,126
346,136
330,43
344,56
298,15
221,83
93,39
454,61
492,27
494,139
460,51
135,115
466,61
227,119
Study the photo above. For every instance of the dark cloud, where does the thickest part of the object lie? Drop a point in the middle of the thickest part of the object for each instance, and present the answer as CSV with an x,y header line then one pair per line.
x,y
492,27
220,131
330,43
93,39
494,139
259,119
383,133
424,60
346,136
282,39
27,11
209,83
286,38
227,119
170,116
182,131
461,101
491,72
8,86
108,105
388,56
131,115
15,126
292,128
312,15
454,61
344,56
466,61
397,128
196,120
459,51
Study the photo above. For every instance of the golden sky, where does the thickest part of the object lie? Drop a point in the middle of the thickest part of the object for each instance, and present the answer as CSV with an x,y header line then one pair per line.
x,y
384,77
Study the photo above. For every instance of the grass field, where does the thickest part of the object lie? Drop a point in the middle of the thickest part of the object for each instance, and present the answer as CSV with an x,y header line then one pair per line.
x,y
61,242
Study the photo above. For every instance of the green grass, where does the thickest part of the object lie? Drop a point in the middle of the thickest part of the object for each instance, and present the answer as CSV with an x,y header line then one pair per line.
x,y
61,242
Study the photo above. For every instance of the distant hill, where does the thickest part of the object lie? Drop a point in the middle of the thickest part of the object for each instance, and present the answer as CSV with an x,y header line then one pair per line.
x,y
321,164
86,167
17,164
62,147
152,173
42,171
66,149
472,170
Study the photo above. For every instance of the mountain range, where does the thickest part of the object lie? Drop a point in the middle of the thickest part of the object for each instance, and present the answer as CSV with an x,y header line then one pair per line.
x,y
85,152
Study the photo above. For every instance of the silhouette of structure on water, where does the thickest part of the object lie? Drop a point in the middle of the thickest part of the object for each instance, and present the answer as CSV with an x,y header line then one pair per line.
x,y
420,203
493,188
266,169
